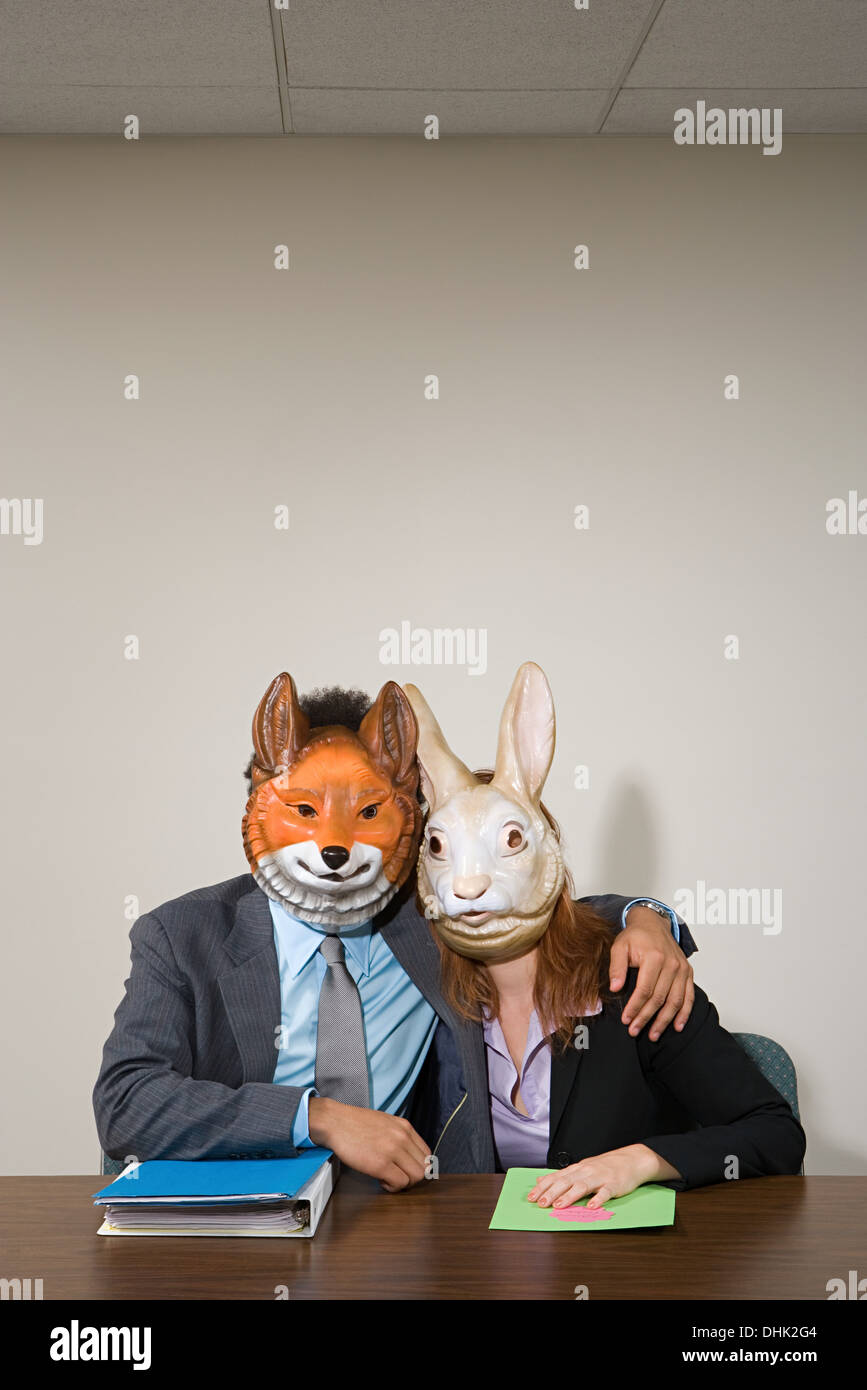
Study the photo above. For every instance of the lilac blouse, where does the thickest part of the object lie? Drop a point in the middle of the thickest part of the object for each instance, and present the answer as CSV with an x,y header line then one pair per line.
x,y
521,1140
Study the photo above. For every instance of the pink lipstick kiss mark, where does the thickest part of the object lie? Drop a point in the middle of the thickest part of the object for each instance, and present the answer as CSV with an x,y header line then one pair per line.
x,y
582,1214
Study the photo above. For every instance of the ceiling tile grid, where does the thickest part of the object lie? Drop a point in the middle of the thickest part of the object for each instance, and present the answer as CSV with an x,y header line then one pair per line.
x,y
379,67
477,46
86,110
364,112
143,43
755,43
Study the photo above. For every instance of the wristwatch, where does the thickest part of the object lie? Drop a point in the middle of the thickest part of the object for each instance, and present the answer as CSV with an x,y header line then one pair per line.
x,y
659,908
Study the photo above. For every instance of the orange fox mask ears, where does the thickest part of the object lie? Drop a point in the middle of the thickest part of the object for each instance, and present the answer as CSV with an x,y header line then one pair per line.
x,y
333,823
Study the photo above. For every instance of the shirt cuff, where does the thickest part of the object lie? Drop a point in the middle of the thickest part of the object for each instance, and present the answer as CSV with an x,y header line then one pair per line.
x,y
301,1126
676,922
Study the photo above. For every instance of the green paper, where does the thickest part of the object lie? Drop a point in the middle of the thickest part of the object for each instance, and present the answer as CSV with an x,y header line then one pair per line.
x,y
650,1205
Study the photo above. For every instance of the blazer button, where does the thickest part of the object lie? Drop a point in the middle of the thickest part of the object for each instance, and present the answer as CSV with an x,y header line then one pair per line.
x,y
562,1160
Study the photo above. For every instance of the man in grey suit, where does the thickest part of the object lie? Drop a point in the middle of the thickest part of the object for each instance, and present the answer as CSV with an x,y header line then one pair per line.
x,y
300,1004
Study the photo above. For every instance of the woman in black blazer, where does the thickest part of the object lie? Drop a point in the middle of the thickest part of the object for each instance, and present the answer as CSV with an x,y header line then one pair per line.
x,y
569,1087
609,1110
689,1109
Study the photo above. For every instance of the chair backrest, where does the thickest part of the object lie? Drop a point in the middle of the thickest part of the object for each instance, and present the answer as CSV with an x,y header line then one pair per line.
x,y
775,1064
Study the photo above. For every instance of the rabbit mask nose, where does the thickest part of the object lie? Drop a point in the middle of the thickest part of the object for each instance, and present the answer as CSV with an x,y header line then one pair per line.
x,y
471,887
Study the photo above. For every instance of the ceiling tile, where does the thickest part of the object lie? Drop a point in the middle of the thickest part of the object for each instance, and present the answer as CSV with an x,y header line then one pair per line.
x,y
342,112
755,43
652,112
86,110
459,44
111,43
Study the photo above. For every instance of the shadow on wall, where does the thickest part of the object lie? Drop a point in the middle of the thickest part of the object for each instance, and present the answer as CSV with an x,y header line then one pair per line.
x,y
630,857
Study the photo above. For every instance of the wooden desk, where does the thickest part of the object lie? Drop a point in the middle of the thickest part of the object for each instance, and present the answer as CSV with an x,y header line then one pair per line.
x,y
768,1238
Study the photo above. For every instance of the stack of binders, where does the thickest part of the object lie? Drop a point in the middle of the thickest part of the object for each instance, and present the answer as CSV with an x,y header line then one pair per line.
x,y
254,1197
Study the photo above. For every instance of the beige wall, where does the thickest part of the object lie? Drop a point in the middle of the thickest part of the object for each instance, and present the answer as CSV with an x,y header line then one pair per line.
x,y
557,388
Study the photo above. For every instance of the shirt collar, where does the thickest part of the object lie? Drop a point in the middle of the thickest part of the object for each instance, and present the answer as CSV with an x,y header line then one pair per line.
x,y
495,1037
299,941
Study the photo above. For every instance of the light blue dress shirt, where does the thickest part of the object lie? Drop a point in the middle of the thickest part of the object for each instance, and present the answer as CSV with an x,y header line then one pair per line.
x,y
399,1023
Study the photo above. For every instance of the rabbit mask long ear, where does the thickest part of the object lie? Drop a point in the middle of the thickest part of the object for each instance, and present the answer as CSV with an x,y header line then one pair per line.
x,y
280,730
442,773
525,748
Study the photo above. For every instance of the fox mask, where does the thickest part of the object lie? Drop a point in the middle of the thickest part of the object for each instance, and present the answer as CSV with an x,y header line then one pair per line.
x,y
490,867
332,826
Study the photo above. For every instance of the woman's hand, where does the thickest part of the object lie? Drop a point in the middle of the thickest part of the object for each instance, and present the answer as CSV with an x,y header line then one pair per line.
x,y
607,1175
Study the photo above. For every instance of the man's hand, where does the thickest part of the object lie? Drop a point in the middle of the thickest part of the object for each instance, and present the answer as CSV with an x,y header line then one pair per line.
x,y
383,1146
664,974
607,1175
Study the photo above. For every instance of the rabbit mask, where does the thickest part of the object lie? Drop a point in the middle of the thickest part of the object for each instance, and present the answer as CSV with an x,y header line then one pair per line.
x,y
332,826
490,868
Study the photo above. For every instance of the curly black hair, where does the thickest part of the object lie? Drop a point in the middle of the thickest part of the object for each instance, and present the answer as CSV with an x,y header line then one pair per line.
x,y
327,704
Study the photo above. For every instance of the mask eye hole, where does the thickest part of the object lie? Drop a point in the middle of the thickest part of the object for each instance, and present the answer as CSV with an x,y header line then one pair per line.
x,y
305,810
370,812
436,846
512,838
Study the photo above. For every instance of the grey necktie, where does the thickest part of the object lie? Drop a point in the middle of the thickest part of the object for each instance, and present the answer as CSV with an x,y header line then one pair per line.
x,y
341,1057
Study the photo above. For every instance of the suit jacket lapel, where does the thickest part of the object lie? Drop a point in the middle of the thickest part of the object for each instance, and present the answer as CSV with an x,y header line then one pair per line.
x,y
564,1073
409,937
250,982
250,986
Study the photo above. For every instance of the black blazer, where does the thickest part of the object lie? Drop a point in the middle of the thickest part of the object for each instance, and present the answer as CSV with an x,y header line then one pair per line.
x,y
694,1097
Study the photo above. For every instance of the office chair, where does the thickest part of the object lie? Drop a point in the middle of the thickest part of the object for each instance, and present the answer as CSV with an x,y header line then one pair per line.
x,y
775,1064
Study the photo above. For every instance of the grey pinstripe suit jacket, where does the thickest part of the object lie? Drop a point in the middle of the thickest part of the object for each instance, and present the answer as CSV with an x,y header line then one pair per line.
x,y
187,1071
